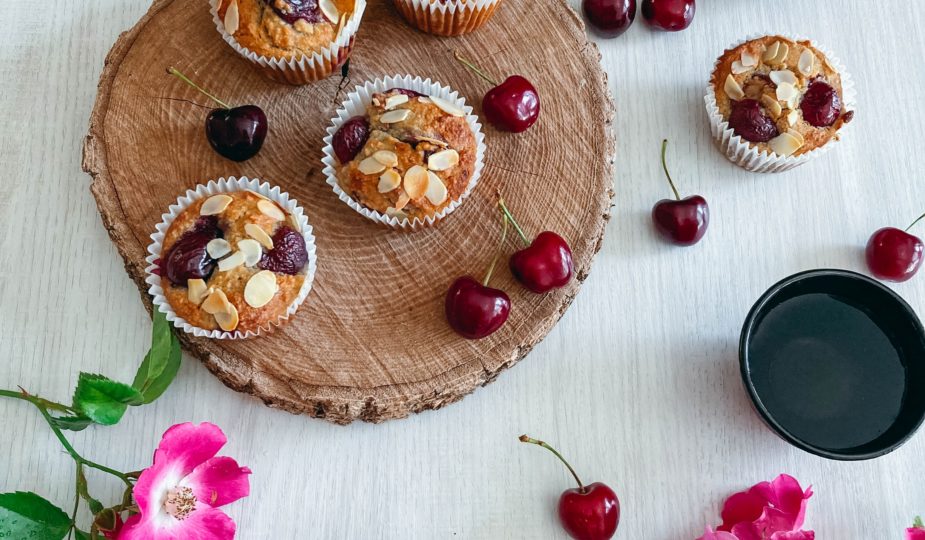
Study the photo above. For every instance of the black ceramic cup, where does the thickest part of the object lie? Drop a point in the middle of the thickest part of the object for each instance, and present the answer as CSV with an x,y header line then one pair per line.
x,y
834,362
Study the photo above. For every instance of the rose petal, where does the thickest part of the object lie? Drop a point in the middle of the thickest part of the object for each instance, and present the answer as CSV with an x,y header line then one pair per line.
x,y
219,481
154,483
773,520
794,535
189,445
743,506
204,523
710,534
747,531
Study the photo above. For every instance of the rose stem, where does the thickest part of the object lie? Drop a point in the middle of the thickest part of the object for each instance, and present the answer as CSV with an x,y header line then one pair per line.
x,y
173,71
478,71
524,438
665,166
494,261
918,219
510,216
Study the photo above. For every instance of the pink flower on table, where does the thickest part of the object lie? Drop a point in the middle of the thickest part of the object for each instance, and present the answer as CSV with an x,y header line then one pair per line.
x,y
917,531
179,495
767,511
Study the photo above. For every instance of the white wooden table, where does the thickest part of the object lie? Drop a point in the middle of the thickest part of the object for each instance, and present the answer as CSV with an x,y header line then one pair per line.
x,y
638,385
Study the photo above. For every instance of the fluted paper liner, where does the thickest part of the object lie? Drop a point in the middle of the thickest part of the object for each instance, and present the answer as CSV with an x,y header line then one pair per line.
x,y
451,18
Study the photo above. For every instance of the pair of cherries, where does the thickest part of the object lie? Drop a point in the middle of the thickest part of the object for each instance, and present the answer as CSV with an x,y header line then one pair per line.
x,y
610,18
474,310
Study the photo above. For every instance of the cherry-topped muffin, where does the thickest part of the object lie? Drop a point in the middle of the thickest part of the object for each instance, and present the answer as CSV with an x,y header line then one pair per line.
x,y
780,95
284,28
234,261
410,156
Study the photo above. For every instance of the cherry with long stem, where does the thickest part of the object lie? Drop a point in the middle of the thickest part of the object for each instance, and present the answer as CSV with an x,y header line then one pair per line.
x,y
684,221
513,105
530,440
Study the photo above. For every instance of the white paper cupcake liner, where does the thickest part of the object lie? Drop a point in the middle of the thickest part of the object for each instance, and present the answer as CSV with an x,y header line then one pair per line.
x,y
304,69
214,187
452,18
742,153
356,104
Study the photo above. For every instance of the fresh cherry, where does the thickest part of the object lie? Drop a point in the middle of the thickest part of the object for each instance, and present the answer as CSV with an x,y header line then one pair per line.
x,y
350,138
288,255
188,258
669,15
588,512
236,133
609,18
748,121
475,310
546,262
821,104
680,221
513,105
894,255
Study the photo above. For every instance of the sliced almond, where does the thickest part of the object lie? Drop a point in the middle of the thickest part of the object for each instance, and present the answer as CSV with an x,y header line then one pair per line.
x,y
370,165
807,62
403,200
387,158
227,320
436,189
771,52
732,88
424,99
216,302
258,234
395,213
394,101
329,10
783,76
797,135
393,117
738,68
196,290
218,248
786,92
252,251
416,181
772,105
443,160
793,117
269,209
341,21
782,52
749,60
784,144
447,106
216,204
389,180
260,289
231,262
435,142
232,18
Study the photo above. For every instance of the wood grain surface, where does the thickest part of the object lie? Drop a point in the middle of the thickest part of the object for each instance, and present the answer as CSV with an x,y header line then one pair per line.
x,y
371,341
637,384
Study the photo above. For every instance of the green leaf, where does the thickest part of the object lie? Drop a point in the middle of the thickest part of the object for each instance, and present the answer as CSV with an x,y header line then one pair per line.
x,y
103,400
95,505
28,516
162,362
73,423
80,535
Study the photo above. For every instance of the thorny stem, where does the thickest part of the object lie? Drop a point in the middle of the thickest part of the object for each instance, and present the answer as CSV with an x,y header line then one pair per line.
x,y
471,65
665,166
510,216
494,261
173,71
918,219
524,438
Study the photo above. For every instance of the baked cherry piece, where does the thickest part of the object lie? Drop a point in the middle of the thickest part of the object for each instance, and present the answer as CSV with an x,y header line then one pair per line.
x,y
293,10
609,18
893,254
680,221
405,91
350,138
236,133
749,121
546,262
288,255
668,15
188,258
513,105
821,105
588,512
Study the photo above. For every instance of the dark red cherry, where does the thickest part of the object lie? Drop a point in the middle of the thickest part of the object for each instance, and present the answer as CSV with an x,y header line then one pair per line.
x,y
545,264
293,10
237,133
350,138
609,18
474,310
513,105
749,121
288,255
684,221
669,15
893,254
821,104
188,258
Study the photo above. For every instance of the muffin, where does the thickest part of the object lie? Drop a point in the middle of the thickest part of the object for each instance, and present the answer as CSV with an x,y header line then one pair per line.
x,y
405,156
447,17
295,41
782,98
231,263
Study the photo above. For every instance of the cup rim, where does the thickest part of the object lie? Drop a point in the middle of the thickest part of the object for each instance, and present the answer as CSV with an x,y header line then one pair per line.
x,y
748,328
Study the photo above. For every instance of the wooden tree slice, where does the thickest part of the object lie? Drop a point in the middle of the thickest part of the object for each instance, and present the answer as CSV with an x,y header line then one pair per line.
x,y
371,341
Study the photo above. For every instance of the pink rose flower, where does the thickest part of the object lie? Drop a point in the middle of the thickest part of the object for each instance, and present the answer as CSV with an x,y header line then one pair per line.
x,y
180,494
917,531
767,511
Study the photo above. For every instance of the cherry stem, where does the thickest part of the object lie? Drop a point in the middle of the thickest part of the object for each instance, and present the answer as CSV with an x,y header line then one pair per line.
x,y
918,219
494,261
508,215
471,65
665,167
524,438
173,71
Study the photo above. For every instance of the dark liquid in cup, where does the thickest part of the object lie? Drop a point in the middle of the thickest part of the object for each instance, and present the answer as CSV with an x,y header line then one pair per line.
x,y
826,372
